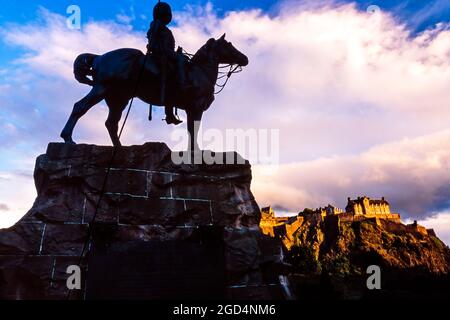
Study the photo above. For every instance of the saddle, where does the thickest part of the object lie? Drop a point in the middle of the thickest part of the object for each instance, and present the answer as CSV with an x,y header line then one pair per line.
x,y
155,64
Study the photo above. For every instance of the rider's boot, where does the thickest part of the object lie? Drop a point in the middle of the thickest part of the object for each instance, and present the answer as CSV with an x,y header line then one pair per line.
x,y
170,117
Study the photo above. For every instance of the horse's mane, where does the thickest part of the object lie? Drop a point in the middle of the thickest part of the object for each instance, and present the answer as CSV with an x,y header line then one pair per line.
x,y
202,54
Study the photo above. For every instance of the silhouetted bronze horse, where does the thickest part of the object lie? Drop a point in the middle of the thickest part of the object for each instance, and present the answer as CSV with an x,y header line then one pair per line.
x,y
116,74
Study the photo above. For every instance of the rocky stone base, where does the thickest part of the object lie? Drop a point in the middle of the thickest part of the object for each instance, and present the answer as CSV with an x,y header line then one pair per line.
x,y
162,230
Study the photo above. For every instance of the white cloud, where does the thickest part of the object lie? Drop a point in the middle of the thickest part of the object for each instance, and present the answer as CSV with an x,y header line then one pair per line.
x,y
123,18
16,203
440,222
53,47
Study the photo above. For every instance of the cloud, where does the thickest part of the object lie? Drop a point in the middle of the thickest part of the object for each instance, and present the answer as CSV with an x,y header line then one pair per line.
x,y
440,222
414,175
123,18
13,203
362,104
53,47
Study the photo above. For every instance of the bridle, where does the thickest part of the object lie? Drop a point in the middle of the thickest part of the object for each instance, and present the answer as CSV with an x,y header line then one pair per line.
x,y
233,69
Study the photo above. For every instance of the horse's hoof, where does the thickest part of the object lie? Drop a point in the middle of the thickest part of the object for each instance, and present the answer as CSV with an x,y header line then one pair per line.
x,y
67,140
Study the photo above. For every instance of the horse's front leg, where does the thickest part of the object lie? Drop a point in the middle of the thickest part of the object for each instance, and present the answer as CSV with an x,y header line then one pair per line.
x,y
79,109
194,117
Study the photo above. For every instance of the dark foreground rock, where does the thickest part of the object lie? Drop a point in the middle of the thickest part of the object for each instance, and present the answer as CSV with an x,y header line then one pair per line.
x,y
161,231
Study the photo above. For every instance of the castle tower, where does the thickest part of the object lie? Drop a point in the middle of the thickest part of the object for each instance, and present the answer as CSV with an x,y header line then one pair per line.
x,y
367,208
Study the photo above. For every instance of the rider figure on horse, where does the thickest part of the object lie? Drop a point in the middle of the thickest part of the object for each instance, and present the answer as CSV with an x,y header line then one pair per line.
x,y
161,45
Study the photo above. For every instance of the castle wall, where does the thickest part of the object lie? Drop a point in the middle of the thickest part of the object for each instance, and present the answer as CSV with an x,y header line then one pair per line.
x,y
293,227
416,228
349,217
280,227
269,222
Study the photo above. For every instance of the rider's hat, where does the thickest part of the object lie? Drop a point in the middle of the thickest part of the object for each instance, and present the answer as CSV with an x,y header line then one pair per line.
x,y
162,12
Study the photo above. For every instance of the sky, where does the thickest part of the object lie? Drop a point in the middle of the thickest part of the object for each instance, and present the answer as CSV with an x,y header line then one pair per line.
x,y
360,97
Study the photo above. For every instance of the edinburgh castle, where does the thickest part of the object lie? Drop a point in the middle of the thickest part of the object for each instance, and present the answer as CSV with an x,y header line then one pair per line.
x,y
361,208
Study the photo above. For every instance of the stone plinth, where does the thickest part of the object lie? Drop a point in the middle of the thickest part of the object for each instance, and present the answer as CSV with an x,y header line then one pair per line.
x,y
162,230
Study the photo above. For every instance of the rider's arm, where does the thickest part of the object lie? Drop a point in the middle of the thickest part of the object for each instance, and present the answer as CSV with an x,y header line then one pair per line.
x,y
168,43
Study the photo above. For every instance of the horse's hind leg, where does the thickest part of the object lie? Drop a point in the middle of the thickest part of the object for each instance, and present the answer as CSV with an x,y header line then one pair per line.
x,y
79,109
194,116
116,107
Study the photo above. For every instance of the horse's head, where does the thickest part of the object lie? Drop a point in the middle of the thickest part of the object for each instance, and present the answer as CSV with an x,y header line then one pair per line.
x,y
220,51
227,53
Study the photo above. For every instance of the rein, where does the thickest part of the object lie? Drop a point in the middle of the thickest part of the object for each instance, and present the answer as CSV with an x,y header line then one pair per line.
x,y
233,69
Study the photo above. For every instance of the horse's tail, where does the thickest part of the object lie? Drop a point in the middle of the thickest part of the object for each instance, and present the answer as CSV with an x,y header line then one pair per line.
x,y
82,68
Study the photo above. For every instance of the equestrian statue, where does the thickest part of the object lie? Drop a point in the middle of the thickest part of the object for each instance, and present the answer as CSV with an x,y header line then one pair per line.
x,y
161,77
